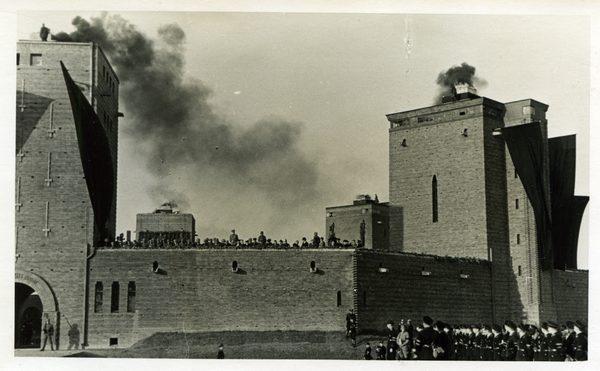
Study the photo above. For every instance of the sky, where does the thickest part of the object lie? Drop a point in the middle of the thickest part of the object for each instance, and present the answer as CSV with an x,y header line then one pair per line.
x,y
302,98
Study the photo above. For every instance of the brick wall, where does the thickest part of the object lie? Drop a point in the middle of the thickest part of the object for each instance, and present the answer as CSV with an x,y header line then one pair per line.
x,y
198,291
571,295
404,292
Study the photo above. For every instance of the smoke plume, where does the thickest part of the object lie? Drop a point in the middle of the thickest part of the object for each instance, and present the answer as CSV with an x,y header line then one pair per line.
x,y
255,174
463,74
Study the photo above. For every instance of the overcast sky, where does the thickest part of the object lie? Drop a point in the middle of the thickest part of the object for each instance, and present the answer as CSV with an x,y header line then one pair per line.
x,y
331,79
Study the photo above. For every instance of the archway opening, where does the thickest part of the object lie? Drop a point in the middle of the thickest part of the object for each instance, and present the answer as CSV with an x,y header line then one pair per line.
x,y
28,317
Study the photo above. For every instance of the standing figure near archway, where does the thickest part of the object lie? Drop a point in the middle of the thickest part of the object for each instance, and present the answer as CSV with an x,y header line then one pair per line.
x,y
48,333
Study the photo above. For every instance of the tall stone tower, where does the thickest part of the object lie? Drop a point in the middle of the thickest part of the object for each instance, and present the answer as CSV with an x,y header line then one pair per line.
x,y
66,168
471,177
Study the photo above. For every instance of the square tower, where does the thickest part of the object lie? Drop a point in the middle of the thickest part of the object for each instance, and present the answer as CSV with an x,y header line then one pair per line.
x,y
447,179
58,197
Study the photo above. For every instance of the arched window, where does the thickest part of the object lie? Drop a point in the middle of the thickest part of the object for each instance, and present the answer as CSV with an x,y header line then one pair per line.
x,y
339,298
434,199
131,297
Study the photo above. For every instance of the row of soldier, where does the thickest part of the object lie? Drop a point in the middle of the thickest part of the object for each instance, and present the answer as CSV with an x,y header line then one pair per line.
x,y
441,341
234,242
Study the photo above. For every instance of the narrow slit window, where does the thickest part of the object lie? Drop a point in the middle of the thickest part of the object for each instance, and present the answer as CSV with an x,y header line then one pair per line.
x,y
517,203
519,270
516,175
114,298
131,297
434,199
18,59
98,297
339,298
518,239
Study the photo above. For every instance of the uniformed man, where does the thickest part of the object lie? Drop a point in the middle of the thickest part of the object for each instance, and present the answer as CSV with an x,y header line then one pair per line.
x,y
392,346
512,339
380,351
350,318
497,343
487,343
424,342
441,342
411,335
524,350
368,355
581,343
556,350
536,342
353,331
469,343
48,333
233,238
262,239
544,341
44,32
570,341
476,337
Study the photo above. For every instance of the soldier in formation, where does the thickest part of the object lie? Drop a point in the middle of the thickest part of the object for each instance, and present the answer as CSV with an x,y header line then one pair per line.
x,y
486,342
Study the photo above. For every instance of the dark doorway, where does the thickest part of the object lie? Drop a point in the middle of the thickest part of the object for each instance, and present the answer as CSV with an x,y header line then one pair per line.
x,y
28,317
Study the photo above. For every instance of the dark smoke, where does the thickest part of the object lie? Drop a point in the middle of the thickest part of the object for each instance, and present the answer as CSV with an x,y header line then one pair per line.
x,y
464,73
190,148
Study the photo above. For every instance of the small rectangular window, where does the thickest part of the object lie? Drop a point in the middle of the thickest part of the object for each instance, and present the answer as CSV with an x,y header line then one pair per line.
x,y
36,60
516,175
18,58
98,298
517,203
114,298
519,270
518,239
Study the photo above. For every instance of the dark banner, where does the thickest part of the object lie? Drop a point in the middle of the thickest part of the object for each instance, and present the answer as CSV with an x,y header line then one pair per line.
x,y
526,146
95,155
567,209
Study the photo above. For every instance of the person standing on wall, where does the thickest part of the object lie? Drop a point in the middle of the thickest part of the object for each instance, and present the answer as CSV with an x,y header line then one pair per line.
x,y
48,333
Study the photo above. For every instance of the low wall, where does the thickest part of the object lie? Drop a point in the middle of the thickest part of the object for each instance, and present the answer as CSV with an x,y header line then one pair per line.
x,y
196,290
414,286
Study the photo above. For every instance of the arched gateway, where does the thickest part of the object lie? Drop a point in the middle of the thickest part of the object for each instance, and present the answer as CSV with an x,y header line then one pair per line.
x,y
34,300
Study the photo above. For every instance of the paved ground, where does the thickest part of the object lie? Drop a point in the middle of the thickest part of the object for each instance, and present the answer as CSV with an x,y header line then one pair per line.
x,y
47,353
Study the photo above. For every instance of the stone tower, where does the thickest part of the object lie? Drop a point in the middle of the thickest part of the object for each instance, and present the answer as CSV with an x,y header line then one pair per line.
x,y
66,168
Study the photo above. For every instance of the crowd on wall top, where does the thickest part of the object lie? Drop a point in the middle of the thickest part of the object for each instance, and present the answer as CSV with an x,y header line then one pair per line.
x,y
182,240
431,340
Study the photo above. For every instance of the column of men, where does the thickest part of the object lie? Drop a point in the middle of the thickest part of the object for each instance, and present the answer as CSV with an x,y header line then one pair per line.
x,y
441,341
